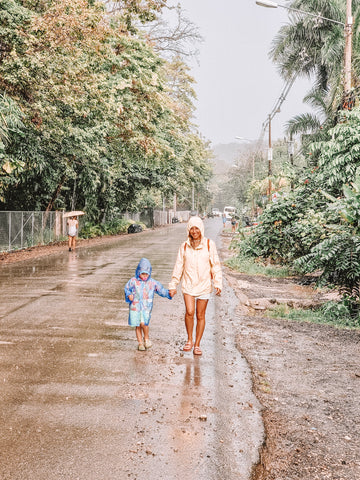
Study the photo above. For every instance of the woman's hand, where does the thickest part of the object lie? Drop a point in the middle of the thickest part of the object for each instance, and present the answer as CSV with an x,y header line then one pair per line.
x,y
131,297
218,291
172,293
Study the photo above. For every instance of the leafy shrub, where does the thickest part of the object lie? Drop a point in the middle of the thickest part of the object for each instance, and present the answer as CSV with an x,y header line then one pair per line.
x,y
248,265
339,259
114,227
345,312
339,314
287,231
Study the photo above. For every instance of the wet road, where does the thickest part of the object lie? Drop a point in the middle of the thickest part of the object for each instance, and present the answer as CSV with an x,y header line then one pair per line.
x,y
78,401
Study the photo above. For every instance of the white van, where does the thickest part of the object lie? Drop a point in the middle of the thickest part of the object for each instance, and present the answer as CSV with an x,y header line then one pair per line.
x,y
229,212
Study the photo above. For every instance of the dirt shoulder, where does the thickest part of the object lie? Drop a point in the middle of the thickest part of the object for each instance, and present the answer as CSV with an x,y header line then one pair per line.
x,y
307,378
52,248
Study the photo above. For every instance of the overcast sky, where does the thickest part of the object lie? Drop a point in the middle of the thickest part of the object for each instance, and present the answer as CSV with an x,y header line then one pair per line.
x,y
237,85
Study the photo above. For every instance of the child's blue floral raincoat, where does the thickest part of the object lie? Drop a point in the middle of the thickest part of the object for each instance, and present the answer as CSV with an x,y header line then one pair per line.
x,y
143,291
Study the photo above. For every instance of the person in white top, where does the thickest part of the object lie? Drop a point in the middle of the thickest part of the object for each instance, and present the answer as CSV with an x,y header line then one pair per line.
x,y
72,227
199,268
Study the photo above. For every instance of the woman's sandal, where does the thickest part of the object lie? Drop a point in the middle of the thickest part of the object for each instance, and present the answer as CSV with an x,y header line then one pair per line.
x,y
188,346
197,351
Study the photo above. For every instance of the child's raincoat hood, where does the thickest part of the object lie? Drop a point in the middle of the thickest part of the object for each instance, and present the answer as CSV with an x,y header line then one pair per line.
x,y
195,222
143,267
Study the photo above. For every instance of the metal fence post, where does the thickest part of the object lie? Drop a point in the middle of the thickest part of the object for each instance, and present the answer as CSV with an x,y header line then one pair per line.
x,y
32,228
9,231
22,230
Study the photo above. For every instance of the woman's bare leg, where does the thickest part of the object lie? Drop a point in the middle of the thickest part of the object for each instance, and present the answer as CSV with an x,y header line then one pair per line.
x,y
200,320
189,315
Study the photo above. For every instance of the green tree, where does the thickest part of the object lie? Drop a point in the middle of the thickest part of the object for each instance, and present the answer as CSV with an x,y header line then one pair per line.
x,y
102,120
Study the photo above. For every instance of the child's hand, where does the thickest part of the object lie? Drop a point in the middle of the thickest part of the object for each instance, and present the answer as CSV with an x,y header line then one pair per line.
x,y
218,291
172,293
131,297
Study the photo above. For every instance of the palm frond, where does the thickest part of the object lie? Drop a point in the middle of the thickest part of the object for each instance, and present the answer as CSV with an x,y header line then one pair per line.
x,y
303,123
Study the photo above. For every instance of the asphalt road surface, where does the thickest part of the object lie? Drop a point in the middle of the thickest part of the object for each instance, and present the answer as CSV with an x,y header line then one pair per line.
x,y
80,402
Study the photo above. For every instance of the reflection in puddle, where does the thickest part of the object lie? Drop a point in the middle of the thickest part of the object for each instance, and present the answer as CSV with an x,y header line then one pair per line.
x,y
73,264
192,373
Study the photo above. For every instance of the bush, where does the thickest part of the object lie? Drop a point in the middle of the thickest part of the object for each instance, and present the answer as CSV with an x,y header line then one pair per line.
x,y
114,227
286,231
343,314
248,265
338,258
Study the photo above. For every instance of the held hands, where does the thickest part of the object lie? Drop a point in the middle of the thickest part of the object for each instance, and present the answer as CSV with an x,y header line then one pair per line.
x,y
218,291
172,293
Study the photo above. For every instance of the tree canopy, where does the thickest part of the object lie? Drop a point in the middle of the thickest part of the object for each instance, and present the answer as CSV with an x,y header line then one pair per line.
x,y
102,119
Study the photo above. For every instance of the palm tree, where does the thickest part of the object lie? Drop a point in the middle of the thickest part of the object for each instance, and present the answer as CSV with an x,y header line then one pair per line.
x,y
313,47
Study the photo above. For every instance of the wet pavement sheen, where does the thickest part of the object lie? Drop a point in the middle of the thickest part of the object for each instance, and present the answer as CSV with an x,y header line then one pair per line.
x,y
78,401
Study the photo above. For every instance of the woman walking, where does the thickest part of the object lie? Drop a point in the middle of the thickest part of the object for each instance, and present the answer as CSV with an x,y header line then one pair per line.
x,y
198,266
73,227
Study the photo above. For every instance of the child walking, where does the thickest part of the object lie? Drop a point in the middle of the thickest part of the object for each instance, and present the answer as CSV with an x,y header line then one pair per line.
x,y
139,293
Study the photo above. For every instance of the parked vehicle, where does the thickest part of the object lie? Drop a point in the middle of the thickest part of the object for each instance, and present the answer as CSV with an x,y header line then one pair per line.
x,y
229,212
216,212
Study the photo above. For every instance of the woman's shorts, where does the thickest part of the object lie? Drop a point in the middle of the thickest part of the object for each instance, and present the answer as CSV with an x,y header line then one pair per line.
x,y
203,297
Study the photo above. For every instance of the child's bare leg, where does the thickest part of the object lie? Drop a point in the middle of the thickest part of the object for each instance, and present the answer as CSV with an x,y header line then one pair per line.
x,y
139,334
146,331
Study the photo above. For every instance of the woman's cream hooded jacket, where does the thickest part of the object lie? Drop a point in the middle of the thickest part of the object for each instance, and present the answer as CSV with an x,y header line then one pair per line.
x,y
197,266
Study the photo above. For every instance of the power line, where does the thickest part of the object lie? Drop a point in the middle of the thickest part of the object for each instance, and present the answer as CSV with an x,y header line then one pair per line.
x,y
276,108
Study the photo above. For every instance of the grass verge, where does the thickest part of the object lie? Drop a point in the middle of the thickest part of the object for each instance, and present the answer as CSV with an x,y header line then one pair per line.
x,y
251,267
335,314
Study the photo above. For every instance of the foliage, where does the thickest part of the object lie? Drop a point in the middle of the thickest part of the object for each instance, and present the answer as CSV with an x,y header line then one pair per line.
x,y
338,314
315,227
10,123
304,225
244,264
114,227
288,228
103,124
311,46
339,256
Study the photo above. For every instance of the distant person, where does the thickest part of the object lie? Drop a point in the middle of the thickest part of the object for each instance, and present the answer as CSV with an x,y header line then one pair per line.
x,y
233,224
198,266
139,293
72,229
224,219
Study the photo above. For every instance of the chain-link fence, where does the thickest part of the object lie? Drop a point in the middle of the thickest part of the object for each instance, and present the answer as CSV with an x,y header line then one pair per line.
x,y
26,229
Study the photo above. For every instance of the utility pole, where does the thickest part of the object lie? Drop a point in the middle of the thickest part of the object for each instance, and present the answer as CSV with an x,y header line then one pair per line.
x,y
291,155
348,48
270,156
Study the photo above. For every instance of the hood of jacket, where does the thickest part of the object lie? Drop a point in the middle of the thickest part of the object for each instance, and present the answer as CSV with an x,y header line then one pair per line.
x,y
143,267
195,222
